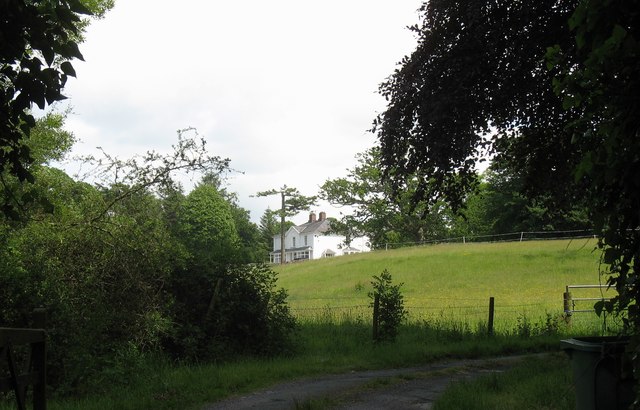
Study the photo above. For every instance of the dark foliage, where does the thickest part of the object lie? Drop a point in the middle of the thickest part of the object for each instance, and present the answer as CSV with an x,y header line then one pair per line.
x,y
391,311
37,45
476,83
236,310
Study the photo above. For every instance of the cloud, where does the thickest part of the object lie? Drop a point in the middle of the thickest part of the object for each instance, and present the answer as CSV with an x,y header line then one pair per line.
x,y
286,89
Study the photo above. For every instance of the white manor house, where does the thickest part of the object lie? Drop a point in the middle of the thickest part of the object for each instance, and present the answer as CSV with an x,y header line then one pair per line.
x,y
312,240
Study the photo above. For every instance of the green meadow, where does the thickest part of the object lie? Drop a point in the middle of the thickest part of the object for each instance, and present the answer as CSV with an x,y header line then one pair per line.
x,y
453,282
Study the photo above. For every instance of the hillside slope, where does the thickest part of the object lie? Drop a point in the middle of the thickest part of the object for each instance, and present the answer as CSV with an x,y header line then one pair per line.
x,y
526,278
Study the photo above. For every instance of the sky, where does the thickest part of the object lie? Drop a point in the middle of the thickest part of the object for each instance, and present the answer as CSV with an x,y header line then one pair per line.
x,y
286,89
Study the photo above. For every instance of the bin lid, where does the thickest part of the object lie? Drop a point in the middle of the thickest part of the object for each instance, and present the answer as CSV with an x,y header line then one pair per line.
x,y
596,343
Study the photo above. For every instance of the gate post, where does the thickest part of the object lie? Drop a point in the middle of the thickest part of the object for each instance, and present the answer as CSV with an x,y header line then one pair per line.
x,y
491,311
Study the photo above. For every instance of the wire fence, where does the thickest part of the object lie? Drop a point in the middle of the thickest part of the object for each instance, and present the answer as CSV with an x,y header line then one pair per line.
x,y
505,237
472,313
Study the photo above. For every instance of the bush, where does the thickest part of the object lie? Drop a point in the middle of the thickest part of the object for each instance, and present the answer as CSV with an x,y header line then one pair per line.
x,y
391,311
235,310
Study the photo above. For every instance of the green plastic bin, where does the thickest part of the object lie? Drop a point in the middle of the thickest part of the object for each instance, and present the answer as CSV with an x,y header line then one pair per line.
x,y
602,372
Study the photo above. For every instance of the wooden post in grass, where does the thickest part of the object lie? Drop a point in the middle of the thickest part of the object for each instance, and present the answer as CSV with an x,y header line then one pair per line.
x,y
491,311
376,314
38,362
567,302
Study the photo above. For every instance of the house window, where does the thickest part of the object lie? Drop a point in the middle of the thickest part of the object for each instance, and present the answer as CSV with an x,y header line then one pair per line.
x,y
305,240
301,255
294,242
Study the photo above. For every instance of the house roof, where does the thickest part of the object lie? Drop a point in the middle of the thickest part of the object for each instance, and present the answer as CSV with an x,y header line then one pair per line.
x,y
314,227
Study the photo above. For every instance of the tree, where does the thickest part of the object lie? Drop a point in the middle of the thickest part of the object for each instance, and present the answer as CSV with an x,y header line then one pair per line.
x,y
101,246
48,141
600,80
79,267
208,228
376,212
292,202
250,250
38,41
268,227
500,206
551,86
476,83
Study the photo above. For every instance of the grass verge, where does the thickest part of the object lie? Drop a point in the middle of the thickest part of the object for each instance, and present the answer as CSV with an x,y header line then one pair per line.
x,y
324,348
535,383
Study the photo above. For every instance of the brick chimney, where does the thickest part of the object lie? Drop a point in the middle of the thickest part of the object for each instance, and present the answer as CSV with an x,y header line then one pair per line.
x,y
312,217
323,216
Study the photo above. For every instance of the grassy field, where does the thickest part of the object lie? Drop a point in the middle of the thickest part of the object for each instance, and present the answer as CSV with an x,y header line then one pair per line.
x,y
452,281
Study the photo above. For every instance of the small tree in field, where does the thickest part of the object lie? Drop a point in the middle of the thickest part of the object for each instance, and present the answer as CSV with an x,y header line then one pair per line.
x,y
390,310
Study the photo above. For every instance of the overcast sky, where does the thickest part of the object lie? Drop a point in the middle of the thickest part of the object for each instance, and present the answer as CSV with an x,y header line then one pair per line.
x,y
284,88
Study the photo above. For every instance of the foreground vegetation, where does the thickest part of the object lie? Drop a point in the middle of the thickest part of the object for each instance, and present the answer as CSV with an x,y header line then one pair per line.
x,y
536,383
333,336
324,347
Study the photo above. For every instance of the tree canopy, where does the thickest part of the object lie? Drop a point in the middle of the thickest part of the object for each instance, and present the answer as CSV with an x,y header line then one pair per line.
x,y
477,83
38,42
550,88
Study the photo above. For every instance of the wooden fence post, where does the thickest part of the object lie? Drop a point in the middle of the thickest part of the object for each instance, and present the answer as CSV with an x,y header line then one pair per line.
x,y
376,314
491,312
39,362
39,318
35,373
568,305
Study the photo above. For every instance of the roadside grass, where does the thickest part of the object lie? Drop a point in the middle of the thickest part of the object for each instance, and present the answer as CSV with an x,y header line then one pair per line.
x,y
323,348
535,383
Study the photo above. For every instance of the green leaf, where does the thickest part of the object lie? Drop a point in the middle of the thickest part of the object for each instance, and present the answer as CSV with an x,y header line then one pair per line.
x,y
611,255
599,307
68,69
78,7
619,33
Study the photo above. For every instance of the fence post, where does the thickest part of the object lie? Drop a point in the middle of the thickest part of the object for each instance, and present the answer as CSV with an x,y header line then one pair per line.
x,y
376,314
568,304
491,312
39,318
39,362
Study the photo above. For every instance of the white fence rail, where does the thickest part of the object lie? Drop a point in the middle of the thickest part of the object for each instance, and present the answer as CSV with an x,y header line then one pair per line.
x,y
570,301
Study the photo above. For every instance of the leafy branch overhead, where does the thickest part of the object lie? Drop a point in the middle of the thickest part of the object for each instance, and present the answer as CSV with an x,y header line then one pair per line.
x,y
38,42
292,200
153,170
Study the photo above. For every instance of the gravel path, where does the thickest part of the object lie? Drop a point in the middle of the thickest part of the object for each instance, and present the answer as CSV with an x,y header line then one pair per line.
x,y
395,389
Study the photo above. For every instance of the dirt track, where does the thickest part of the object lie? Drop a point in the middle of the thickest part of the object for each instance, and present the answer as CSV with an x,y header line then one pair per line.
x,y
411,388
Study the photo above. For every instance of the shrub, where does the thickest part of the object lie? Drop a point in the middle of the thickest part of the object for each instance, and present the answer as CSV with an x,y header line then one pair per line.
x,y
234,310
391,309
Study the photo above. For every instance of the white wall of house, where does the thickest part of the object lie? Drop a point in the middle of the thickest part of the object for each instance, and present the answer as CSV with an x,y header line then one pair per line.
x,y
362,243
324,243
314,245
